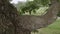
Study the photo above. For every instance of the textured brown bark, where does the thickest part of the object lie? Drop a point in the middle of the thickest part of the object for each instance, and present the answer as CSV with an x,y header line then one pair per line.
x,y
24,31
8,19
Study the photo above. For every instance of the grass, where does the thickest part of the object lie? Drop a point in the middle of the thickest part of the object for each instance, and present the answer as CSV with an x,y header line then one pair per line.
x,y
51,29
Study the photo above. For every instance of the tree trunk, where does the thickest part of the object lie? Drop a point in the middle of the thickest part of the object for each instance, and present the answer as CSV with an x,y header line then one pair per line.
x,y
8,19
24,31
20,30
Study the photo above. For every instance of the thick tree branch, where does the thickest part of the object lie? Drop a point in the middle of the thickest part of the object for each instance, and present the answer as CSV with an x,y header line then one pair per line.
x,y
36,22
